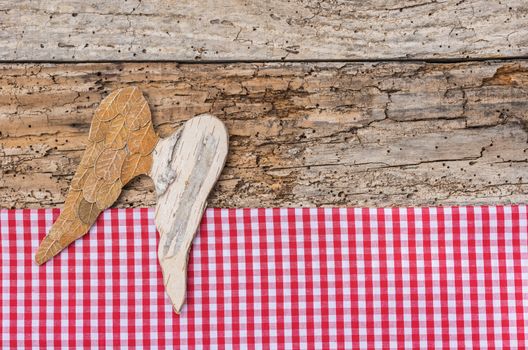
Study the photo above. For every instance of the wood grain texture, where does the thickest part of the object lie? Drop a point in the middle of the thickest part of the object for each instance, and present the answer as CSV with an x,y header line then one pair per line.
x,y
186,167
331,134
76,30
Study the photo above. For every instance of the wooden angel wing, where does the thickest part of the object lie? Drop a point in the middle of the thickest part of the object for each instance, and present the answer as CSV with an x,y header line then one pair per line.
x,y
120,146
186,167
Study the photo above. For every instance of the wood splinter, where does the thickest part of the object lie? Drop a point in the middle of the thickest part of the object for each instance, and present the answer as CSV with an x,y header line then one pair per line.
x,y
122,144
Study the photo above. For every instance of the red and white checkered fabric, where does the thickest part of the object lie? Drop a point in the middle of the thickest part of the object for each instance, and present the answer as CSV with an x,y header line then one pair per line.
x,y
275,278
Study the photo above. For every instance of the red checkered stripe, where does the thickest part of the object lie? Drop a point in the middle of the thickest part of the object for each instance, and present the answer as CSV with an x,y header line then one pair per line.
x,y
326,278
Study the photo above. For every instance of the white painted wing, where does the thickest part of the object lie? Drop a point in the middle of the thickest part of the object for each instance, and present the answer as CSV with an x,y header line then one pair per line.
x,y
185,168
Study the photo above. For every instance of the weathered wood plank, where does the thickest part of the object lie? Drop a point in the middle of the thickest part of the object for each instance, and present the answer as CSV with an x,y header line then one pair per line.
x,y
370,134
256,30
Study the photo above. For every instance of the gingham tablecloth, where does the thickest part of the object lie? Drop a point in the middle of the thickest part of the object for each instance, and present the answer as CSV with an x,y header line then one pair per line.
x,y
275,278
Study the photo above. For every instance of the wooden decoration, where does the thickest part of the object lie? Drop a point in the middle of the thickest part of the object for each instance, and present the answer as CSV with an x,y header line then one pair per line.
x,y
186,167
122,144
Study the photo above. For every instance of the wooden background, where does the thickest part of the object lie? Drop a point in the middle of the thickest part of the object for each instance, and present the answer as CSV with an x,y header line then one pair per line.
x,y
328,103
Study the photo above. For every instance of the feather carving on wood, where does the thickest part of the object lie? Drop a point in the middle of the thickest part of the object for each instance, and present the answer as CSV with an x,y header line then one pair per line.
x,y
97,182
122,144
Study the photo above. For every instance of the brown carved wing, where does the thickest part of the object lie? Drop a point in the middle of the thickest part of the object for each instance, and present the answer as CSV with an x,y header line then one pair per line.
x,y
119,148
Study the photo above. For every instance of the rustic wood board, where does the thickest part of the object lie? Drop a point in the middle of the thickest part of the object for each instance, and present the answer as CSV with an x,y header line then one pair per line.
x,y
78,30
301,134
